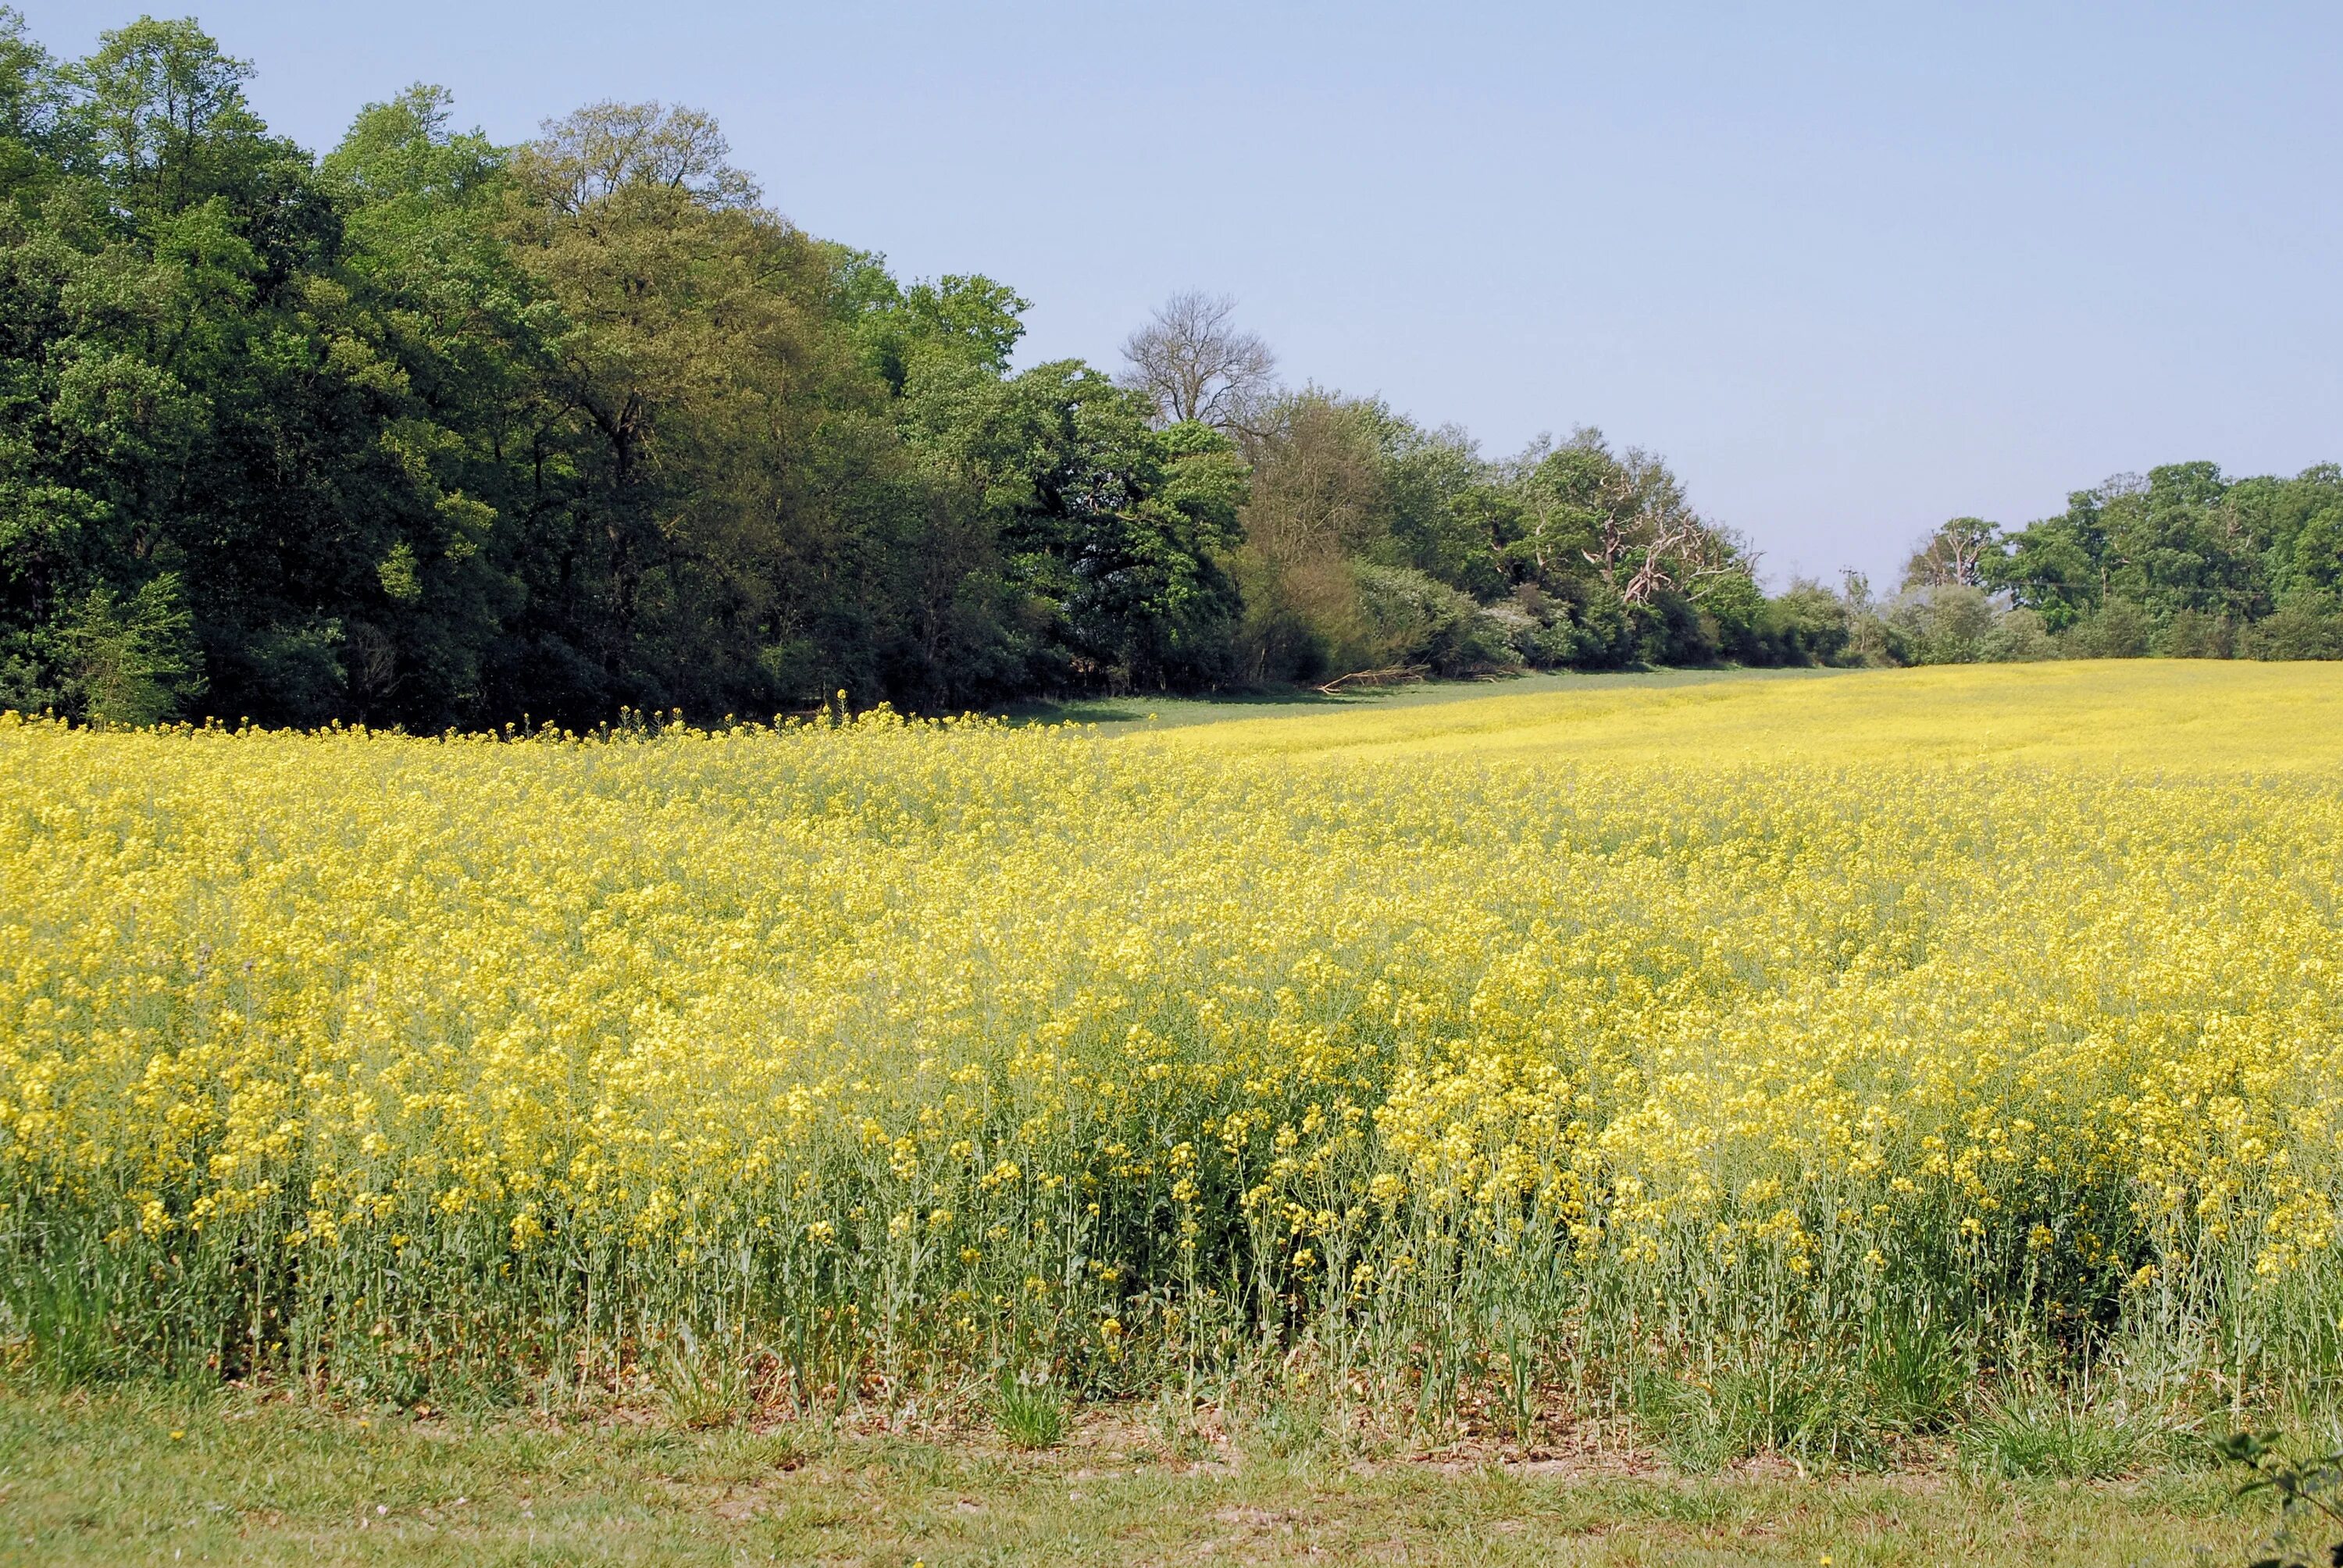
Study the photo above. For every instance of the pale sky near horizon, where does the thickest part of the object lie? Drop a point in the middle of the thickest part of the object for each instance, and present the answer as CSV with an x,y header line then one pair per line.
x,y
1852,269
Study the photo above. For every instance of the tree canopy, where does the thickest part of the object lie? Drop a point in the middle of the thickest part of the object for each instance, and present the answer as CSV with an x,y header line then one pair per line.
x,y
2185,563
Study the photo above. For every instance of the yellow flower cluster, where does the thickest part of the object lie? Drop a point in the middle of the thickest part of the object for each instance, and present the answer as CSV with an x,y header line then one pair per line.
x,y
887,1043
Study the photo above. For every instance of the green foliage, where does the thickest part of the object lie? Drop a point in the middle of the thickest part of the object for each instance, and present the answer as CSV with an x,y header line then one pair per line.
x,y
2307,624
2309,1493
1414,618
2052,1436
1571,556
1954,555
2193,634
1947,624
431,431
2184,564
970,319
2117,628
130,661
1777,1403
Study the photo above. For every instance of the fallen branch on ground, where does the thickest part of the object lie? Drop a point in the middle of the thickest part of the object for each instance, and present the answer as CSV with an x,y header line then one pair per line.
x,y
1398,675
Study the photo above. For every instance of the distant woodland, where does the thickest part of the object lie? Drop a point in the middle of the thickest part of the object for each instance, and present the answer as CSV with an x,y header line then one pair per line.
x,y
428,431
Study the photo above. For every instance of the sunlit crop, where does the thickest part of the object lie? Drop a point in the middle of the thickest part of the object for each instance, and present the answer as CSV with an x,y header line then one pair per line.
x,y
872,1051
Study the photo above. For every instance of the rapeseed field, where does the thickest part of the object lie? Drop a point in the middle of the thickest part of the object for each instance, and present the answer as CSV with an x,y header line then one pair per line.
x,y
1832,1051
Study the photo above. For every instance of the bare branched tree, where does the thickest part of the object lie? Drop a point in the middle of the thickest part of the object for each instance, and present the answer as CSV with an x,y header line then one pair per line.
x,y
1193,362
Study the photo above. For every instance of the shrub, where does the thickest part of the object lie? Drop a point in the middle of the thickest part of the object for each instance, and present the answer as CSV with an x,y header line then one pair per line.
x,y
2306,625
2116,630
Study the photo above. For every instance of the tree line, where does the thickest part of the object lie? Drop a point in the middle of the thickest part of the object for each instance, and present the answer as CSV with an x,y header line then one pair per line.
x,y
2184,564
431,431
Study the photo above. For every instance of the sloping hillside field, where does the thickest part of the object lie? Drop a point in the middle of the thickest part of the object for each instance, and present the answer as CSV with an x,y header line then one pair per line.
x,y
1825,1057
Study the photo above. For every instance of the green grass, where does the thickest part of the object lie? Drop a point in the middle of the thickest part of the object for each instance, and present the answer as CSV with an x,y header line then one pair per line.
x,y
1120,715
2052,1436
155,1478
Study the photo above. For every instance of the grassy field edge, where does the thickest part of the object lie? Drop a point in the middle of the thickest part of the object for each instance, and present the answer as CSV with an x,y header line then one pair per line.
x,y
147,1475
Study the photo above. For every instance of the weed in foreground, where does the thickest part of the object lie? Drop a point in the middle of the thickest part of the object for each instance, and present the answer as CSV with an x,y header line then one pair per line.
x,y
2051,1434
1030,1415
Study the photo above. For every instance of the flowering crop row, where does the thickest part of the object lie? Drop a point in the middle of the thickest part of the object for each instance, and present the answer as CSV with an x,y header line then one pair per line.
x,y
899,1050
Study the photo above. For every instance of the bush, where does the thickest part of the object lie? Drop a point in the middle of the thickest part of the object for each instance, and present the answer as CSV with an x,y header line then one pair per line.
x,y
1809,624
1549,631
2306,625
2118,628
1671,629
132,662
1943,625
2192,634
1414,618
2018,637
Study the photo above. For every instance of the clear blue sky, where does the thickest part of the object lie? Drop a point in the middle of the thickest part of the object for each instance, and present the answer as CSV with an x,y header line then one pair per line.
x,y
1853,269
